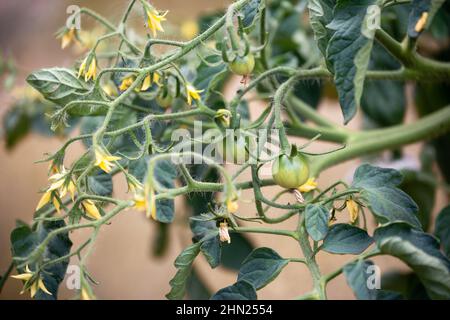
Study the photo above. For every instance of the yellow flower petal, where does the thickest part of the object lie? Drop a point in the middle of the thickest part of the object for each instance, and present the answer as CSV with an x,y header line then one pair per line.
x,y
33,289
126,83
92,71
308,186
147,83
56,204
72,189
23,276
192,93
353,210
91,210
41,286
154,20
82,68
44,200
67,38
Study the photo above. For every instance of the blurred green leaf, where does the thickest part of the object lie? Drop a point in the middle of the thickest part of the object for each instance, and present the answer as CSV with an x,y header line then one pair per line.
x,y
420,251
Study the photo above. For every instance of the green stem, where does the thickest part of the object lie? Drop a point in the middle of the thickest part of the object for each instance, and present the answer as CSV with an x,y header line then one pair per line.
x,y
365,143
310,260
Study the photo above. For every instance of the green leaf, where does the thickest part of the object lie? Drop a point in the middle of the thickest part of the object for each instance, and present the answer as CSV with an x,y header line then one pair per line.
x,y
160,243
261,267
241,290
24,240
379,193
183,263
196,289
422,191
361,279
383,101
320,15
407,284
442,229
346,239
100,183
316,221
420,251
251,13
210,75
349,50
16,125
165,172
418,8
206,233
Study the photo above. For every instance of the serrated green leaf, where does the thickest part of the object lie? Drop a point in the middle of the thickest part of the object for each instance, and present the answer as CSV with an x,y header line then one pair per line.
x,y
183,263
316,221
349,51
212,249
320,15
241,290
261,267
58,85
361,279
346,239
442,229
100,183
24,241
379,193
206,232
420,251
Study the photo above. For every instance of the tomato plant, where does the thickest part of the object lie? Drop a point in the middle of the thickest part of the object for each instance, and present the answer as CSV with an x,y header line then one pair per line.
x,y
292,53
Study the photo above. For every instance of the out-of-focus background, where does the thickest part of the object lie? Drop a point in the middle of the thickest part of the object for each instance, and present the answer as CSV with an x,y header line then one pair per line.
x,y
122,261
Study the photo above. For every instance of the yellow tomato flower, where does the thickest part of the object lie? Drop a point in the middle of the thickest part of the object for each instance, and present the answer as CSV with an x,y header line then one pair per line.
x,y
68,37
35,286
149,79
192,93
189,29
154,20
91,70
126,83
353,209
91,210
103,160
308,186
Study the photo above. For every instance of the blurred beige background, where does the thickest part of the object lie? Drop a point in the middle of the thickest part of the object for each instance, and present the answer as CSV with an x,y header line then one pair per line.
x,y
122,261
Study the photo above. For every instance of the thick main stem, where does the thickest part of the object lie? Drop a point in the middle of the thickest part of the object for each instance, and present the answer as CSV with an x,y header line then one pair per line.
x,y
310,262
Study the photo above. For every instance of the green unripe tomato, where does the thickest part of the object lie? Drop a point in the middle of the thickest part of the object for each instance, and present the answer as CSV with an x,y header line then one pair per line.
x,y
165,101
290,172
243,65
